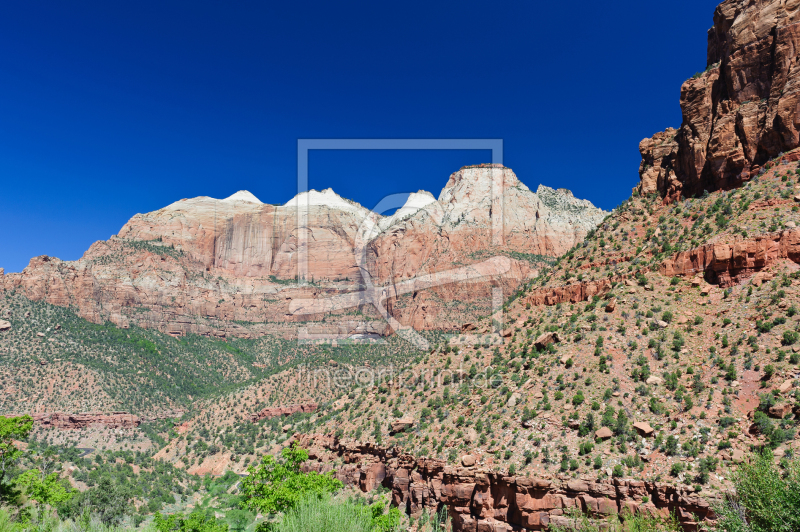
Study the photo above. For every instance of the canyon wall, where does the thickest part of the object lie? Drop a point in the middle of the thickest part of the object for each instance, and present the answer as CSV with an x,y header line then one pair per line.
x,y
742,111
479,500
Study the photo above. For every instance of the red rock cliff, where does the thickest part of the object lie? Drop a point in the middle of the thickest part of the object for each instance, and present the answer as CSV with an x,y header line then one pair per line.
x,y
229,267
738,114
482,500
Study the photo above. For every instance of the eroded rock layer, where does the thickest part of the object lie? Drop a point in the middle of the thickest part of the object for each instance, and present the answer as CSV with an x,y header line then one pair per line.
x,y
481,500
729,263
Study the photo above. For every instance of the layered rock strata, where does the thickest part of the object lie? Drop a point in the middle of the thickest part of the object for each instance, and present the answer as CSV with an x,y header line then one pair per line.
x,y
481,500
730,263
742,111
233,267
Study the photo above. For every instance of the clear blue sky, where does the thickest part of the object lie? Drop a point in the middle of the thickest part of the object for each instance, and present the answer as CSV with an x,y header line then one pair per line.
x,y
112,108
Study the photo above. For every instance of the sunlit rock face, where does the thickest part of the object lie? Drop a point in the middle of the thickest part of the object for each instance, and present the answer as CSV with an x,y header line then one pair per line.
x,y
740,112
238,266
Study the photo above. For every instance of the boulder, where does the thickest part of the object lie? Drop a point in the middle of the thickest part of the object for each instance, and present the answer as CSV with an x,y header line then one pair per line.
x,y
4,325
468,460
402,424
780,411
786,386
603,434
470,435
643,428
546,339
611,305
653,380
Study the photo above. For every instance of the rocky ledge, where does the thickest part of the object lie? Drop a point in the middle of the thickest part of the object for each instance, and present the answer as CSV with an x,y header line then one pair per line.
x,y
60,420
479,500
729,263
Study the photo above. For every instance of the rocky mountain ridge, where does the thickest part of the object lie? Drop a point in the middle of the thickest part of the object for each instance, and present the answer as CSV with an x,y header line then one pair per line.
x,y
235,266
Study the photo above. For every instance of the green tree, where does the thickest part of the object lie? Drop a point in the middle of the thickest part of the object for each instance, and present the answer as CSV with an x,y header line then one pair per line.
x,y
44,489
12,429
278,486
194,522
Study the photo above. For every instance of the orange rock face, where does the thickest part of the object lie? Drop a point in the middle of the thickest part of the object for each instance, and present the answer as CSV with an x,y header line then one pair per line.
x,y
738,114
730,263
233,267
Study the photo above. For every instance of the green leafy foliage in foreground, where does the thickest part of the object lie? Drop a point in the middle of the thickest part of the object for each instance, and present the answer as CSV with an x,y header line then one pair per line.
x,y
194,522
323,514
278,486
305,499
13,428
766,499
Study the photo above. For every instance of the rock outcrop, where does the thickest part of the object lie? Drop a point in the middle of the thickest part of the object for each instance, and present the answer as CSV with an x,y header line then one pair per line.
x,y
742,111
729,263
571,293
478,499
231,267
113,420
277,411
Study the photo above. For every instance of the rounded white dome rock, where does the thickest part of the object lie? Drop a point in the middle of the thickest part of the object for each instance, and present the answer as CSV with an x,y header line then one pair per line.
x,y
244,195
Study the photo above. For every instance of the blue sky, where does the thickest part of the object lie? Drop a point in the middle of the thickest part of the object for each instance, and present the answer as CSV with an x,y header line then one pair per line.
x,y
109,108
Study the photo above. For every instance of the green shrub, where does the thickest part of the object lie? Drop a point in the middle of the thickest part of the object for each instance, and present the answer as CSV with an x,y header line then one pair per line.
x,y
322,514
790,337
767,496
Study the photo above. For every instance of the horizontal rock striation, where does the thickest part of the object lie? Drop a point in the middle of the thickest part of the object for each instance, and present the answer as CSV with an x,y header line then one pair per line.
x,y
741,112
481,500
277,411
113,420
729,263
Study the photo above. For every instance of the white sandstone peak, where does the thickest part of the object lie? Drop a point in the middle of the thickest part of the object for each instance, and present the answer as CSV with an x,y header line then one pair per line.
x,y
326,198
415,201
244,195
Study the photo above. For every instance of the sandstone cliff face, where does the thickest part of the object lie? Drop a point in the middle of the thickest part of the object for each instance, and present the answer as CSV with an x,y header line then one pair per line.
x,y
482,500
230,267
729,263
741,112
